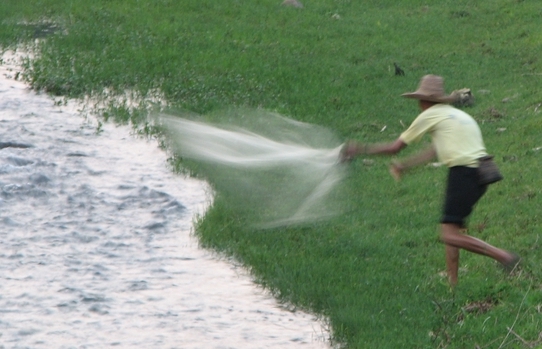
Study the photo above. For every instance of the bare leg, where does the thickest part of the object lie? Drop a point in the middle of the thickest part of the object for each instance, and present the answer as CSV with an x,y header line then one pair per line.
x,y
452,264
454,240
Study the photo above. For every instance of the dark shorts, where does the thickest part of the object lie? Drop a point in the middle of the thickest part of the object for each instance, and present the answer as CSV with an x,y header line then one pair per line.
x,y
462,193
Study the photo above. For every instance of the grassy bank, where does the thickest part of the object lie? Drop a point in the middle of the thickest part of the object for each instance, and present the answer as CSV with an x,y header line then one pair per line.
x,y
375,271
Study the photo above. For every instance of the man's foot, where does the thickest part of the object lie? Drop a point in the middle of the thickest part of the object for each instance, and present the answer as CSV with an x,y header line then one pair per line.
x,y
512,263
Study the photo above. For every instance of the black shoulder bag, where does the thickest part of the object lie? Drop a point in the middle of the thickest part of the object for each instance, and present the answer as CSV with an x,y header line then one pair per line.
x,y
488,172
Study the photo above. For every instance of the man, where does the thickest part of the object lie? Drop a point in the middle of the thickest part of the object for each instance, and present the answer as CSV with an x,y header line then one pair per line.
x,y
458,144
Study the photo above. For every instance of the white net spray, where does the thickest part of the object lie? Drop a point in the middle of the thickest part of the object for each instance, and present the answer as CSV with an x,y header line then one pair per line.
x,y
275,170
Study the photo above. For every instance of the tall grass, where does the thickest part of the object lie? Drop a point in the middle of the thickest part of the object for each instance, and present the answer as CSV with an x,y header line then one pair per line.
x,y
374,272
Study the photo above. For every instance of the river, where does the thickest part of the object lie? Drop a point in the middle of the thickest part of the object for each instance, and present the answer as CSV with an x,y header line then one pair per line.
x,y
97,247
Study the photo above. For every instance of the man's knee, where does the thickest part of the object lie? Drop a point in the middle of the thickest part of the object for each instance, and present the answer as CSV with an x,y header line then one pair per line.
x,y
449,231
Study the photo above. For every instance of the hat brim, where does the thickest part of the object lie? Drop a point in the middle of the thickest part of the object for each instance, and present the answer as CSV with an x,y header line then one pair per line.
x,y
431,98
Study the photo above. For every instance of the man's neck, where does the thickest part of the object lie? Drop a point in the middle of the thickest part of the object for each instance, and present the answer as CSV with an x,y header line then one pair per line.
x,y
424,105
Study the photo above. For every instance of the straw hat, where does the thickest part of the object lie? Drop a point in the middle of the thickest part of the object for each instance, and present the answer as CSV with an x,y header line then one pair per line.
x,y
431,89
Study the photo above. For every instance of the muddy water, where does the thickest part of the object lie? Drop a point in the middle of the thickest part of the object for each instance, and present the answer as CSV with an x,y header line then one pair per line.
x,y
96,247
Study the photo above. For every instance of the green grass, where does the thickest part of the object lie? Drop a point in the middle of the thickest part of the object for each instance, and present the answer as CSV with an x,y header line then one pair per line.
x,y
373,272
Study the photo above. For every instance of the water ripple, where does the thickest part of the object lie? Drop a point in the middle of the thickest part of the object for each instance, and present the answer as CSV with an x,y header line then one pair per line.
x,y
96,247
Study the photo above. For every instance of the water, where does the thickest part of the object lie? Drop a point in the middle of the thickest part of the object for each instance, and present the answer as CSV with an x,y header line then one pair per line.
x,y
96,247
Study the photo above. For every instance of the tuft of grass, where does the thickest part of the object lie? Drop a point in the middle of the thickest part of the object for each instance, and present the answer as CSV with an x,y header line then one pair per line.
x,y
376,272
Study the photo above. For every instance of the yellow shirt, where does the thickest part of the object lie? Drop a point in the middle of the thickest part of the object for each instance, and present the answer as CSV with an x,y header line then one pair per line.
x,y
455,134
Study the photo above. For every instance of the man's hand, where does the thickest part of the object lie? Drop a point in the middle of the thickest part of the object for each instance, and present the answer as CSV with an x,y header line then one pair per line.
x,y
350,150
396,170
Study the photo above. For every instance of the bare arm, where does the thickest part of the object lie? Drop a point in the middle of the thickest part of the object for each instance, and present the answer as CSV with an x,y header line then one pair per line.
x,y
397,168
386,148
353,149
